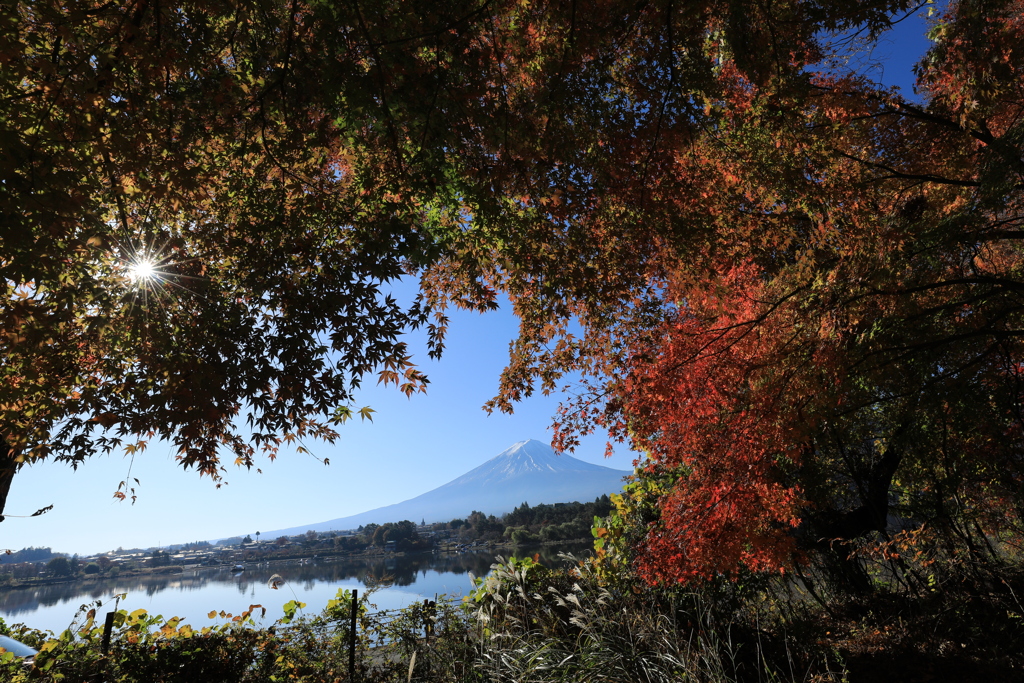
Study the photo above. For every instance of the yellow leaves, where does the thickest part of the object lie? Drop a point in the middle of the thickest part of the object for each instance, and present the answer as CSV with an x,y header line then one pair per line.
x,y
252,608
171,627
129,187
90,618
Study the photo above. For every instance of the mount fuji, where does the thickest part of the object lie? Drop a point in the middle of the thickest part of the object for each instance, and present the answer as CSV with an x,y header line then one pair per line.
x,y
528,471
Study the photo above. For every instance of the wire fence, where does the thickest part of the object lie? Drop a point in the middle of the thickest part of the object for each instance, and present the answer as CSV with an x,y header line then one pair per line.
x,y
418,621
383,637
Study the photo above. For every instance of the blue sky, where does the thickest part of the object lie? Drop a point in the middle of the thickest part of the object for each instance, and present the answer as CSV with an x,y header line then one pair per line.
x,y
413,445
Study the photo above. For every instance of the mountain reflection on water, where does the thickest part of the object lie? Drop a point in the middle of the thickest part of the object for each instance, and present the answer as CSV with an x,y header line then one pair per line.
x,y
53,606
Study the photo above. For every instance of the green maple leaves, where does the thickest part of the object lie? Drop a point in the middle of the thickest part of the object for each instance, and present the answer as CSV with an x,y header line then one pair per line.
x,y
218,135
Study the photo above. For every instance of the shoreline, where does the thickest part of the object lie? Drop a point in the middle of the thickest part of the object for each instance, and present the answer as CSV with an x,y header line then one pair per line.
x,y
179,569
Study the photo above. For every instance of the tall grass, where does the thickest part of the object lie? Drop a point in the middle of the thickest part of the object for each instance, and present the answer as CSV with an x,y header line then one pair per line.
x,y
539,625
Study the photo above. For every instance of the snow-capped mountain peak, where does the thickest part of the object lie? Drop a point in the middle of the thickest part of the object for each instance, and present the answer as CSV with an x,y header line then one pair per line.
x,y
525,458
528,471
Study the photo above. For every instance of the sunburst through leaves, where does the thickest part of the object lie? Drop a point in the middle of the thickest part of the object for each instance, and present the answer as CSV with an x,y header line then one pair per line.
x,y
142,270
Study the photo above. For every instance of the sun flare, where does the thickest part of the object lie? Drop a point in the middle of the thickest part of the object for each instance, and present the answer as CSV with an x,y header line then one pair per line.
x,y
142,270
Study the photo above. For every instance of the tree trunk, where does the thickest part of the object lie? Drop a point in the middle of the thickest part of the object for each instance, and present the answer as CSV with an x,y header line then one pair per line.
x,y
829,531
8,466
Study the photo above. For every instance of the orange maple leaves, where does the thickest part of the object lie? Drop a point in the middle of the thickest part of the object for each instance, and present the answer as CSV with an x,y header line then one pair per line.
x,y
710,403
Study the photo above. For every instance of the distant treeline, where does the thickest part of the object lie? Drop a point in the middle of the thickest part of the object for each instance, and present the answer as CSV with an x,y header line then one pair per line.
x,y
525,524
545,515
557,522
27,555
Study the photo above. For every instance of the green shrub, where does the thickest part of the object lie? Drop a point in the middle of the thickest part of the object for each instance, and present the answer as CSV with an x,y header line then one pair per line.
x,y
59,566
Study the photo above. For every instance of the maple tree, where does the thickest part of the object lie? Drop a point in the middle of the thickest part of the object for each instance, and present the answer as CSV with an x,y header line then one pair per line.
x,y
200,212
204,199
838,273
796,290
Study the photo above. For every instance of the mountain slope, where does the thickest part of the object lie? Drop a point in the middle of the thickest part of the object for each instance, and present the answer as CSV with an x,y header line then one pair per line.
x,y
528,471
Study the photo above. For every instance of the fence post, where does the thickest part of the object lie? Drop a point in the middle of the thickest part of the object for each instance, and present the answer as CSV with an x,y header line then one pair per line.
x,y
352,636
429,608
108,625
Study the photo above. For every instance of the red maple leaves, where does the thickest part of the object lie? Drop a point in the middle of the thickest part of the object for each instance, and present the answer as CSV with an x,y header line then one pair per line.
x,y
710,404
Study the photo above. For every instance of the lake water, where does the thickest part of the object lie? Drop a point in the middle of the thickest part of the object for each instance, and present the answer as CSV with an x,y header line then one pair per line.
x,y
193,594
